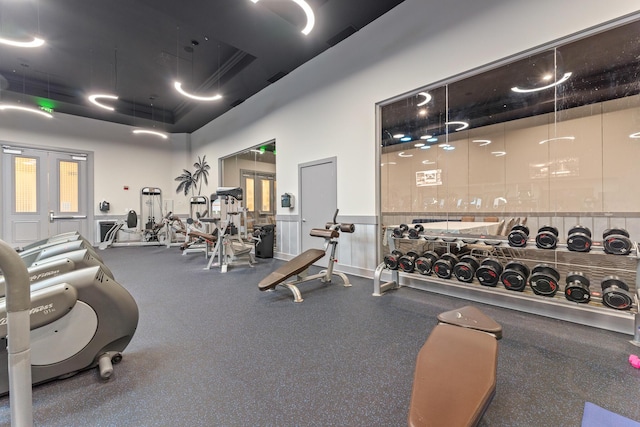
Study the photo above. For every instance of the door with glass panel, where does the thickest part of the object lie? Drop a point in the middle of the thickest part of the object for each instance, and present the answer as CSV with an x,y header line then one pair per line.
x,y
259,194
44,193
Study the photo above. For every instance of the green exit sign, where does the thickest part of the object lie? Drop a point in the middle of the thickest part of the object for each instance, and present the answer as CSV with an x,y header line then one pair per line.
x,y
47,109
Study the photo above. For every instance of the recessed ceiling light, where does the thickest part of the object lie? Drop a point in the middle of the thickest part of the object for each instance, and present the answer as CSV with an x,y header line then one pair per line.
x,y
94,100
398,135
150,132
311,19
178,87
35,42
564,78
426,136
25,109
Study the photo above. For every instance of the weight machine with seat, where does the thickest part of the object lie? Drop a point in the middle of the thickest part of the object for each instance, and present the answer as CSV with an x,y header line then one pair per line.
x,y
231,247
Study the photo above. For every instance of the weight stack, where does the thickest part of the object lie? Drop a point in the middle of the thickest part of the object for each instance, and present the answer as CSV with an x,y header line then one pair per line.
x,y
264,247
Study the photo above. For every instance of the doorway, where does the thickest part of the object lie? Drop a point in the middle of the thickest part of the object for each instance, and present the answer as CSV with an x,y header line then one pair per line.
x,y
44,193
318,198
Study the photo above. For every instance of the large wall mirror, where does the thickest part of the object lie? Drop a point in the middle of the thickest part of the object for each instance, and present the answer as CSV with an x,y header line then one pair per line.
x,y
254,170
552,133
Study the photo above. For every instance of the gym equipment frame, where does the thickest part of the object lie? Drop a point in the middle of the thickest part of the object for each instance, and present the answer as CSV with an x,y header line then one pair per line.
x,y
596,264
299,266
230,247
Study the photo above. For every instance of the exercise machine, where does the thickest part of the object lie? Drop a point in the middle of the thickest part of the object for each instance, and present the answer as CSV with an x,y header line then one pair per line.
x,y
456,369
230,246
299,266
80,317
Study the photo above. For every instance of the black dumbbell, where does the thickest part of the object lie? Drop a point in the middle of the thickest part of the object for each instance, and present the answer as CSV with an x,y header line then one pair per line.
x,y
616,241
547,237
515,275
424,264
391,260
579,239
444,266
465,270
577,288
544,280
414,233
615,293
489,272
518,236
407,262
399,231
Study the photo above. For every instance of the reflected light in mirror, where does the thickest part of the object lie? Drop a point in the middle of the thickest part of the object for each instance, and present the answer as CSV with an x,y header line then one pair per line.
x,y
419,144
462,125
564,78
402,154
427,98
389,163
422,112
36,42
398,135
428,162
635,135
483,141
560,138
449,148
425,147
426,136
499,153
405,139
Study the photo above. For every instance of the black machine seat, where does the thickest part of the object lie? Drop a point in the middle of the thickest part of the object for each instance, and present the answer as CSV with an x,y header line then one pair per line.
x,y
291,268
456,369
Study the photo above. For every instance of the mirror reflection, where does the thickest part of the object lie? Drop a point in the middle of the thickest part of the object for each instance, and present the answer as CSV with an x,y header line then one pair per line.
x,y
548,135
254,170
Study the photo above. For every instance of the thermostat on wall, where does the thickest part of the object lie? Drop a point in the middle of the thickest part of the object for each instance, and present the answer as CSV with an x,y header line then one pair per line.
x,y
287,200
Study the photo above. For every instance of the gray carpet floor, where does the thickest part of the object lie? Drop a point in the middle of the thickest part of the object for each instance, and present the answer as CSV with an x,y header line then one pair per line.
x,y
212,350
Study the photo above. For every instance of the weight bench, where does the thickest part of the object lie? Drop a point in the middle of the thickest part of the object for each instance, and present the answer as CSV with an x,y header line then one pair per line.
x,y
299,266
455,375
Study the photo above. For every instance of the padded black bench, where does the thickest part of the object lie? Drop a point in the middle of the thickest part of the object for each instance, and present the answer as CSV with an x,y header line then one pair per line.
x,y
455,375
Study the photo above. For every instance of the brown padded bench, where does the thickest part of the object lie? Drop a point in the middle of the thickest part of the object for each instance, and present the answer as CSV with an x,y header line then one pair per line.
x,y
291,268
455,376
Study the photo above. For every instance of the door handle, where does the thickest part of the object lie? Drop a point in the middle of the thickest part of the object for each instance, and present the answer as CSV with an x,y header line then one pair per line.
x,y
53,217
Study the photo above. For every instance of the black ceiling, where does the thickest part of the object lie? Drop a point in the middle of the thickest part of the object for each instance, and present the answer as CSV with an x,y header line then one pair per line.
x,y
135,49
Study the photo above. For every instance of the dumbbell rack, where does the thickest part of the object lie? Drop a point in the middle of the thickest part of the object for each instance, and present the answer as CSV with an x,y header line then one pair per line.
x,y
595,264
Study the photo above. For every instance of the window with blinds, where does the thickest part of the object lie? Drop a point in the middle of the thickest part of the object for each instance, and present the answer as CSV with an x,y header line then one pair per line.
x,y
69,186
26,188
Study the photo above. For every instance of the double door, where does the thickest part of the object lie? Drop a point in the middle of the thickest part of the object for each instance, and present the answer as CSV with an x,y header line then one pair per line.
x,y
44,193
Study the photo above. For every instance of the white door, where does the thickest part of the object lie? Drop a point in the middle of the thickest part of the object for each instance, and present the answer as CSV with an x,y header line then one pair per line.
x,y
44,193
318,199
